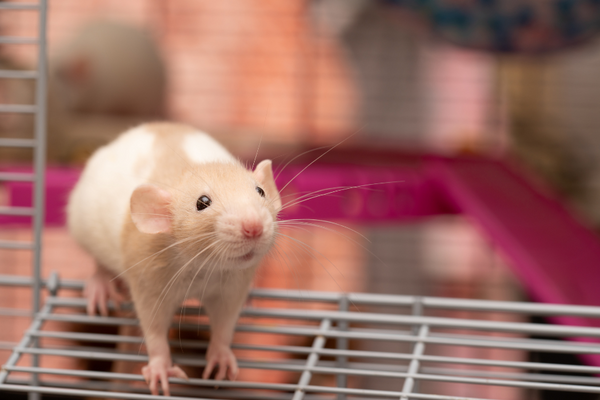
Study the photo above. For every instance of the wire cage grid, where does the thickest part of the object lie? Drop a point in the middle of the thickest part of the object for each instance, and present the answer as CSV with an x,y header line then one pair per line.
x,y
411,322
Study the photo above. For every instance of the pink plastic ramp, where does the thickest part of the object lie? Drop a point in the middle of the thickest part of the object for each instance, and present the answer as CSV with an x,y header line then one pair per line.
x,y
556,258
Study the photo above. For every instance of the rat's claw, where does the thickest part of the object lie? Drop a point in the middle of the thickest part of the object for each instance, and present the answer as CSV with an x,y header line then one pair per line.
x,y
158,371
223,357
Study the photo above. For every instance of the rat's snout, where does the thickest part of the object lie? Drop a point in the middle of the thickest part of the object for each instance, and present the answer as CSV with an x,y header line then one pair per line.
x,y
252,228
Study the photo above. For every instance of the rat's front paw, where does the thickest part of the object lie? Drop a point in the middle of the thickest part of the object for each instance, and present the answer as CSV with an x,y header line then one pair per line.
x,y
159,369
99,289
222,356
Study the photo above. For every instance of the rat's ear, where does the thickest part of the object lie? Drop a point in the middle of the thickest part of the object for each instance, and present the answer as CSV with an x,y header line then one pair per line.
x,y
150,209
263,173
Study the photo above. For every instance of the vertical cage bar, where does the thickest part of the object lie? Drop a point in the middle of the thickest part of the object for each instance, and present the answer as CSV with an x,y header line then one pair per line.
x,y
418,309
312,360
39,157
39,160
342,344
413,367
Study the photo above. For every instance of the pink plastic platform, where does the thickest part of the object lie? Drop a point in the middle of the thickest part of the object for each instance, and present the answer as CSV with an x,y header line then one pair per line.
x,y
555,256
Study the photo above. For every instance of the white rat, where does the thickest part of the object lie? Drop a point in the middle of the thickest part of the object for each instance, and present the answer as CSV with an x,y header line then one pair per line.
x,y
175,216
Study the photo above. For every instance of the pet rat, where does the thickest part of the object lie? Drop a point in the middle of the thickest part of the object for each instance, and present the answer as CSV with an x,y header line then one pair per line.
x,y
174,215
109,67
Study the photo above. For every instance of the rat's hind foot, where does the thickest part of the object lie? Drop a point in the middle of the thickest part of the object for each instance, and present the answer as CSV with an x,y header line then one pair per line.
x,y
160,370
222,356
100,288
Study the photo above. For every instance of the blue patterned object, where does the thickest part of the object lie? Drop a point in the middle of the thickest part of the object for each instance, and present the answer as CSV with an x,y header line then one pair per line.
x,y
508,25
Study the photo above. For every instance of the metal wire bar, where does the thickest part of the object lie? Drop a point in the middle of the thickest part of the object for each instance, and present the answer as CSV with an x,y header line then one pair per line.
x,y
89,393
9,142
397,300
311,361
39,154
15,74
413,367
15,312
439,322
19,6
189,391
115,395
17,108
431,302
8,345
28,281
17,40
8,244
16,176
342,344
17,211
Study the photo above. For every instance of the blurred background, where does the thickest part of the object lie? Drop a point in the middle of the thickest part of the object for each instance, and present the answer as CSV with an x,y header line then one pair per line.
x,y
512,79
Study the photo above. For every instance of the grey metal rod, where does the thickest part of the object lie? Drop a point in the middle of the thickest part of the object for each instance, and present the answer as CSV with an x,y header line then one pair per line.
x,y
17,108
90,393
408,301
39,165
17,211
349,391
16,176
453,323
135,377
413,367
342,344
17,40
19,6
8,345
9,142
431,302
15,74
15,312
28,281
311,361
8,244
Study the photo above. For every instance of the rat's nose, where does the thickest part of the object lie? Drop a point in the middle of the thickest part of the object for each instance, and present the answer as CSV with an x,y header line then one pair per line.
x,y
252,228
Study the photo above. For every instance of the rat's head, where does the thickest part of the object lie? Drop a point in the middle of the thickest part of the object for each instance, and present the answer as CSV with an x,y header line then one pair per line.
x,y
219,212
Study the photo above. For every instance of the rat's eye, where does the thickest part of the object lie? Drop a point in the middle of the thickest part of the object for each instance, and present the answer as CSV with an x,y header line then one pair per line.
x,y
203,202
260,191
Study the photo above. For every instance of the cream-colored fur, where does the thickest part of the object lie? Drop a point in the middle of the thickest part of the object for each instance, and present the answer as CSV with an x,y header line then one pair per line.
x,y
99,203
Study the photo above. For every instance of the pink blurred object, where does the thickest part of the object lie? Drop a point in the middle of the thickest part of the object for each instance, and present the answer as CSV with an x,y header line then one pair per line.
x,y
59,182
553,254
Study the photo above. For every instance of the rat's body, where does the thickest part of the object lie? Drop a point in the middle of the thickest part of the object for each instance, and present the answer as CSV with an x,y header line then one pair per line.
x,y
174,215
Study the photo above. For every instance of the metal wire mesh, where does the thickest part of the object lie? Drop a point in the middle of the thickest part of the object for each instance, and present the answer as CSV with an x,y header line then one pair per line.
x,y
334,329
